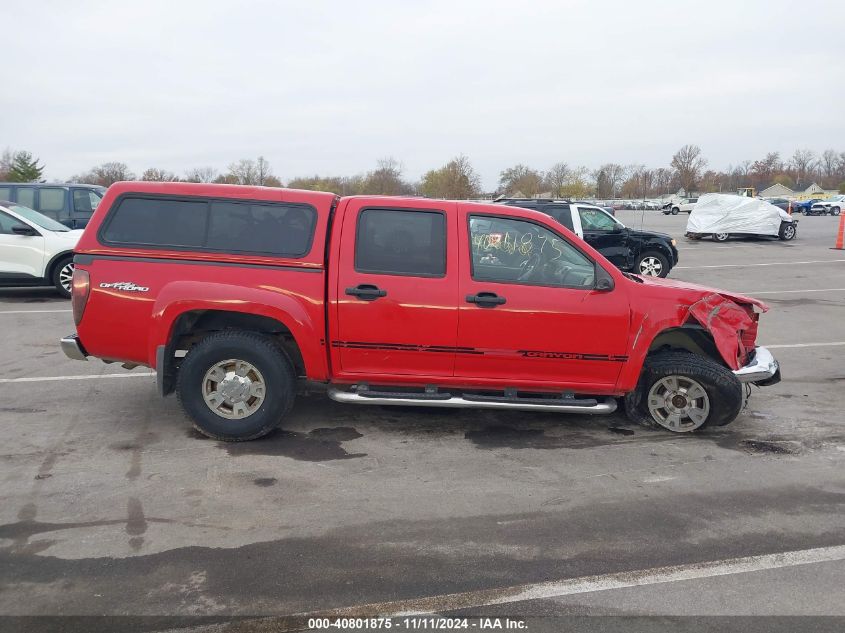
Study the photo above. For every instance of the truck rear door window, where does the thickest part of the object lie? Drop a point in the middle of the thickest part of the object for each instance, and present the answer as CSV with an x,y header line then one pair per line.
x,y
235,226
397,242
275,229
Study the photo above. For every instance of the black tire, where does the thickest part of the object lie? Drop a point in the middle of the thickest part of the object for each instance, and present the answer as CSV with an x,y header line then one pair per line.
x,y
724,390
787,231
834,210
721,237
58,276
661,260
265,356
675,210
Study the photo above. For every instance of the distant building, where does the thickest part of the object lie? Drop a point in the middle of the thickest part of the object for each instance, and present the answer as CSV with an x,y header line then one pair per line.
x,y
778,190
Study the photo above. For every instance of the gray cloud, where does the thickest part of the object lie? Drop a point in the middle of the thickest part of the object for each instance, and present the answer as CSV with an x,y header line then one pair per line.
x,y
330,87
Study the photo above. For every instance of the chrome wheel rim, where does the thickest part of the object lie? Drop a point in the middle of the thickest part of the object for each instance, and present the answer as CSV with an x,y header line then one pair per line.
x,y
651,266
721,237
234,389
678,403
66,276
789,232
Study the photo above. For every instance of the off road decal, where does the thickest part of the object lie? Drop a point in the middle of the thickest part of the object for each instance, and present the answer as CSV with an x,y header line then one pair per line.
x,y
404,347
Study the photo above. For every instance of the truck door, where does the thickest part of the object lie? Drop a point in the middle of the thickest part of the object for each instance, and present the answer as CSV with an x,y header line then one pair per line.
x,y
396,297
529,310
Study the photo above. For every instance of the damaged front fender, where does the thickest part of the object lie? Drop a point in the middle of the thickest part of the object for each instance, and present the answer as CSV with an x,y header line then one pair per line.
x,y
733,325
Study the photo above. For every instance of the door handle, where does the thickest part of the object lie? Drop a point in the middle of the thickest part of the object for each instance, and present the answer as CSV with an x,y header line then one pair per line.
x,y
486,299
366,292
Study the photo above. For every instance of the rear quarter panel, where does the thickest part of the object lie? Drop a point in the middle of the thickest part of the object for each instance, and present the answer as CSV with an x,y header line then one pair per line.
x,y
128,325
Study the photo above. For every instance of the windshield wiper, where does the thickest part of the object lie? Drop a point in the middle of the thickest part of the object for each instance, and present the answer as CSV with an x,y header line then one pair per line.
x,y
639,280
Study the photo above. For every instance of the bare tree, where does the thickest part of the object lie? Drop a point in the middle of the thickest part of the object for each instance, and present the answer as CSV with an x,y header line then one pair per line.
x,y
200,174
264,173
521,179
764,170
243,172
557,178
251,172
456,180
609,178
159,175
639,183
386,179
6,160
662,180
828,163
802,160
106,174
689,164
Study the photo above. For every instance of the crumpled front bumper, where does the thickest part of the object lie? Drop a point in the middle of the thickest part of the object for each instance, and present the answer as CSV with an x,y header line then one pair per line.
x,y
762,368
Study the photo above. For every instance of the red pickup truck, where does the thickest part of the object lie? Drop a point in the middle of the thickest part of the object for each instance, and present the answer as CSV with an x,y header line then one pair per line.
x,y
240,296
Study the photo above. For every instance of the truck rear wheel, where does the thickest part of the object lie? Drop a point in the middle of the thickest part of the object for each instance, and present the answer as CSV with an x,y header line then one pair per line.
x,y
236,385
683,392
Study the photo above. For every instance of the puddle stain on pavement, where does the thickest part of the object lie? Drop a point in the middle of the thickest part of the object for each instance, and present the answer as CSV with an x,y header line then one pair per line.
x,y
318,445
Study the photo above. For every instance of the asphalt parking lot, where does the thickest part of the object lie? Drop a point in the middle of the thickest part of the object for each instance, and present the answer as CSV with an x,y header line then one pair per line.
x,y
112,505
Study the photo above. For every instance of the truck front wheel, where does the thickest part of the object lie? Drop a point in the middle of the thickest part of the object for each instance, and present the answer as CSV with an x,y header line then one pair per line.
x,y
236,386
683,392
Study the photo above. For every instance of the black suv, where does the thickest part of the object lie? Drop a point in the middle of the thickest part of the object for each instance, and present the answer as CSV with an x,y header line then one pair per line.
x,y
641,252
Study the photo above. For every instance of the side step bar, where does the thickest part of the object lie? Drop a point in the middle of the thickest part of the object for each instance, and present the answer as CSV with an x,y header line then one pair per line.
x,y
470,401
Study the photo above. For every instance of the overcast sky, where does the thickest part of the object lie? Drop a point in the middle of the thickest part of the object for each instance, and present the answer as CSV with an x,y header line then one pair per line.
x,y
330,87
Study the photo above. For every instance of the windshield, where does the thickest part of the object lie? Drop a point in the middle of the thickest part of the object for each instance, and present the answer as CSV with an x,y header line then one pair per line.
x,y
41,220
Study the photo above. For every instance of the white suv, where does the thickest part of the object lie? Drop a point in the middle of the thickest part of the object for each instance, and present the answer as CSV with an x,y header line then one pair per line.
x,y
677,206
35,250
833,206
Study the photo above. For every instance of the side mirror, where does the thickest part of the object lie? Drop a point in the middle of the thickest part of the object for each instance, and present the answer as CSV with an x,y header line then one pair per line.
x,y
24,230
616,229
604,282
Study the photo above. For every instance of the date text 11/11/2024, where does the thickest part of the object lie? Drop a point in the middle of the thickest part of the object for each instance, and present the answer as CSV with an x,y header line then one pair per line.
x,y
417,623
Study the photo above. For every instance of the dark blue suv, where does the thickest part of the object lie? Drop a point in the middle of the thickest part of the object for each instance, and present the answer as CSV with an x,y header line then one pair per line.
x,y
68,203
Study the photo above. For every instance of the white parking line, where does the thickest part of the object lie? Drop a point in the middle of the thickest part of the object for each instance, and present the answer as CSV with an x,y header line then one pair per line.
x,y
836,343
589,584
82,377
32,311
813,261
783,292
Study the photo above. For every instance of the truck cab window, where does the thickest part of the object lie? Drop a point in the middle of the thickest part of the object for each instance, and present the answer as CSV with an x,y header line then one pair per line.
x,y
396,242
515,251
